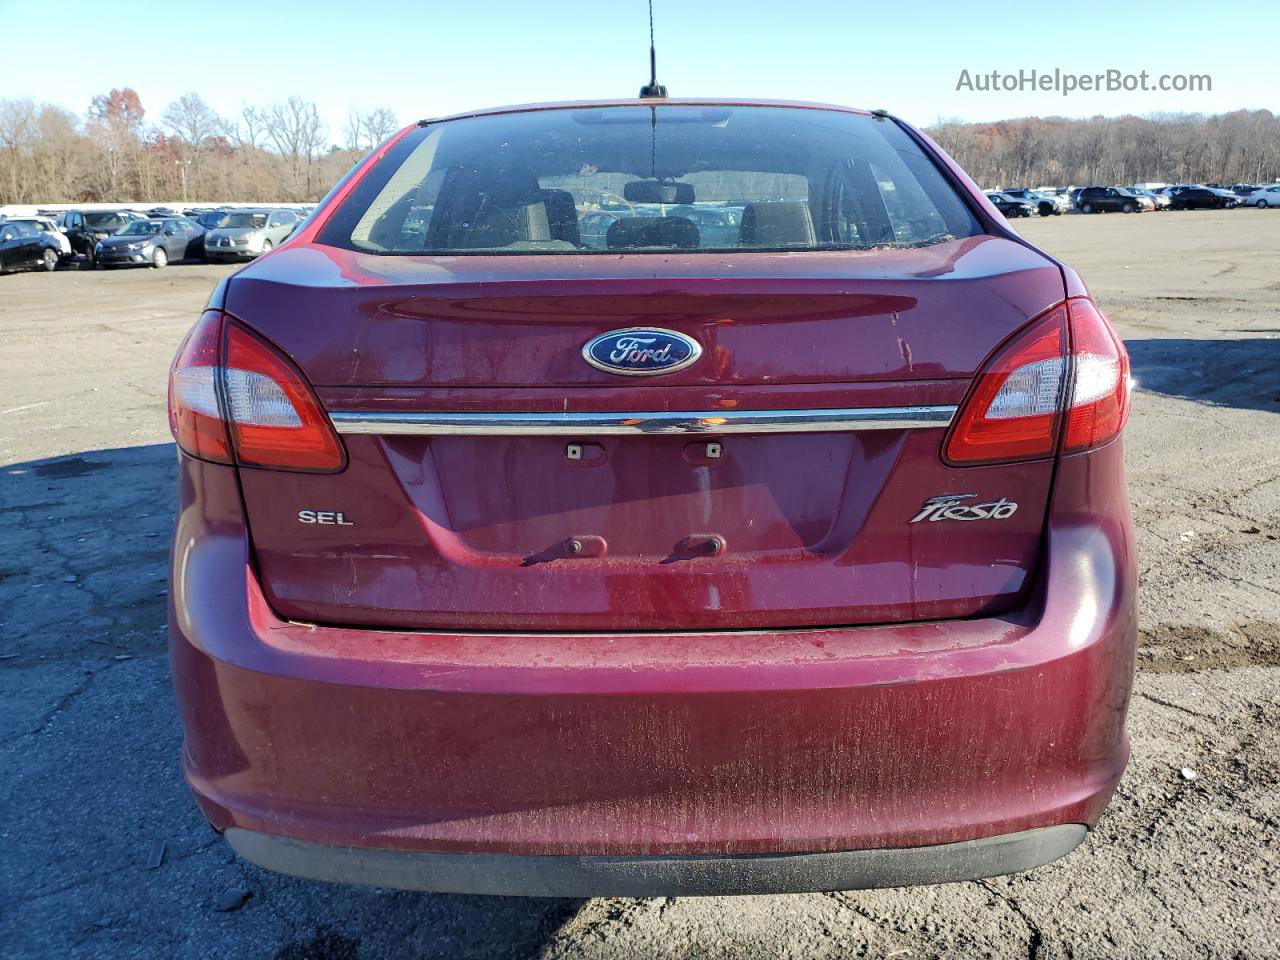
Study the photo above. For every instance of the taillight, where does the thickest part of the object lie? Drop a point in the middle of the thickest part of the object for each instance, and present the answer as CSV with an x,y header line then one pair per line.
x,y
195,412
1014,407
1012,410
230,391
1099,403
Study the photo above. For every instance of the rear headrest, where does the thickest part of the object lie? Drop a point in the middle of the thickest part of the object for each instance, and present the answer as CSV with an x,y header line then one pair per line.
x,y
562,215
780,223
633,232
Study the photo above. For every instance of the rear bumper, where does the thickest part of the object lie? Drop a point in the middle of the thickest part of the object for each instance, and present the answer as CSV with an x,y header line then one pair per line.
x,y
568,876
854,745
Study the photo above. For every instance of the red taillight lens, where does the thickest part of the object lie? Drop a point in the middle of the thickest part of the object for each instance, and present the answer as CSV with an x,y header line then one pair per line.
x,y
1099,403
195,412
254,402
1012,410
276,420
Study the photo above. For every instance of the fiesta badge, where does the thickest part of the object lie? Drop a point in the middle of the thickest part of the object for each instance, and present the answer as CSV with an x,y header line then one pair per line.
x,y
641,351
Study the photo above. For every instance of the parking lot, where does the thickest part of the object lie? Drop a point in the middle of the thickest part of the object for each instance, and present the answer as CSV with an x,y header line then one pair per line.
x,y
105,854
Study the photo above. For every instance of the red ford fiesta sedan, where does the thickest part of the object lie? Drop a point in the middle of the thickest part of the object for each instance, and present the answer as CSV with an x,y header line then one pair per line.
x,y
653,498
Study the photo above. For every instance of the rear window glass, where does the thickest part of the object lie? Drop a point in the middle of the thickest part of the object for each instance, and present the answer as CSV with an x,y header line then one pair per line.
x,y
651,179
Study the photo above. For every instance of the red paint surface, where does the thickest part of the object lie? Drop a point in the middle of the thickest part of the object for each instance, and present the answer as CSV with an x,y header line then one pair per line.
x,y
456,532
663,732
611,744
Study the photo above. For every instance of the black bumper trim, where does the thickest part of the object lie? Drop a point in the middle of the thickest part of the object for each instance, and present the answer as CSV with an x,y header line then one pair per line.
x,y
595,876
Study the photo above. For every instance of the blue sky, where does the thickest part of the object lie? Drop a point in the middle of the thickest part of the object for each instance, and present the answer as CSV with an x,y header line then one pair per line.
x,y
430,58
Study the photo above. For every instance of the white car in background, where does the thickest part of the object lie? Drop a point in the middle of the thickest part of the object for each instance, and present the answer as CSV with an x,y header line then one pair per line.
x,y
1263,197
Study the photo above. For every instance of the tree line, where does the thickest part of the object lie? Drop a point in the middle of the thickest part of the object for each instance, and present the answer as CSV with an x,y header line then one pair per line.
x,y
282,151
116,153
1239,147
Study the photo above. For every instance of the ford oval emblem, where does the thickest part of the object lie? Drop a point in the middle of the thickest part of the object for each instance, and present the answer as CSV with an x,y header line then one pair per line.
x,y
641,351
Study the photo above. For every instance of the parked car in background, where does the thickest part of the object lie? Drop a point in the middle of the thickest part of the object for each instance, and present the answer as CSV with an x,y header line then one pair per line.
x,y
716,224
212,219
1105,199
1159,200
695,564
1263,196
249,233
85,229
25,246
155,243
49,226
195,246
1202,198
593,226
1012,207
1046,205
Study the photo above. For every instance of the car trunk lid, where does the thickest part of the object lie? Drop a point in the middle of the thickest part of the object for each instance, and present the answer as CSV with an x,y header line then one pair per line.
x,y
604,525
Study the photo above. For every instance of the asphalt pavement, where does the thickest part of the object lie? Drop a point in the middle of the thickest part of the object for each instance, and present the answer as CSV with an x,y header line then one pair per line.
x,y
105,855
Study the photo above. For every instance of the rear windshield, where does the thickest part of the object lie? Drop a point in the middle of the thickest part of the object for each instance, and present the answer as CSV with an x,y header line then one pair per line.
x,y
647,179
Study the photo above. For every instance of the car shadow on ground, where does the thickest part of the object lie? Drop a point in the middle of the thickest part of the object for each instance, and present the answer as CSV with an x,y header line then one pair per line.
x,y
107,854
1235,373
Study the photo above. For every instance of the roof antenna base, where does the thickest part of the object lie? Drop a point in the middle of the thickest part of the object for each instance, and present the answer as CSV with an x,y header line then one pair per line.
x,y
652,90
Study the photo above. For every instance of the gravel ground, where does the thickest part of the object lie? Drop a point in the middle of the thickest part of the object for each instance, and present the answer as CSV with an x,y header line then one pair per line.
x,y
104,854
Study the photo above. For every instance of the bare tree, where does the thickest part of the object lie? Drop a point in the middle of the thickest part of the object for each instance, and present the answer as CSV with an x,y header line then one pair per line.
x,y
1243,146
17,129
353,132
295,129
193,121
364,131
247,130
116,122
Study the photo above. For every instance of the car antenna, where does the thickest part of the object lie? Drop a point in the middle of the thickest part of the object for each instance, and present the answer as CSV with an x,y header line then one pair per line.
x,y
653,90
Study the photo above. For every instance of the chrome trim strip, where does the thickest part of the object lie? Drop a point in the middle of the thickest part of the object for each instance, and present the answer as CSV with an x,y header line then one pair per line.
x,y
629,424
